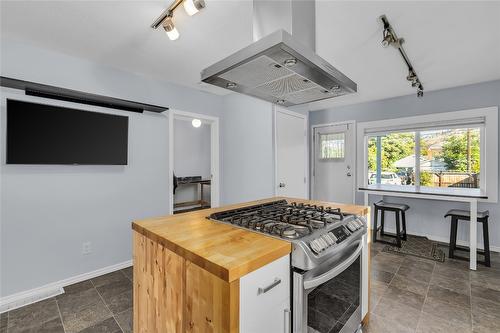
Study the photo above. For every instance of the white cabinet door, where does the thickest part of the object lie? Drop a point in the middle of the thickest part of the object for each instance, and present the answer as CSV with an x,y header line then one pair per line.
x,y
265,299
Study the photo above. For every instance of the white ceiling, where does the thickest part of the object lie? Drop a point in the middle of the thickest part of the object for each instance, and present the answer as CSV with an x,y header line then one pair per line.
x,y
449,43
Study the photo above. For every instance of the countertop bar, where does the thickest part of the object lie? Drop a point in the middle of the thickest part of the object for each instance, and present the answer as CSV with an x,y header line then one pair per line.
x,y
224,250
471,193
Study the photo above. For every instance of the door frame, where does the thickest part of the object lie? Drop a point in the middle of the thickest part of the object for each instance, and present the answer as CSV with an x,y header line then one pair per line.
x,y
304,117
214,154
355,156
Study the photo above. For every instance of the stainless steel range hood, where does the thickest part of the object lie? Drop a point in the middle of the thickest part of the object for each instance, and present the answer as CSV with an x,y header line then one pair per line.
x,y
280,69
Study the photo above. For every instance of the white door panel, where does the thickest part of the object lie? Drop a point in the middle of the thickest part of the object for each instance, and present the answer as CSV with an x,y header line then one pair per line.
x,y
291,155
333,157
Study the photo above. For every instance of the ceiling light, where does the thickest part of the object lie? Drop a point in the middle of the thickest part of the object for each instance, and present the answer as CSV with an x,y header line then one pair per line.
x,y
168,25
165,19
193,6
290,62
411,77
390,38
230,85
196,123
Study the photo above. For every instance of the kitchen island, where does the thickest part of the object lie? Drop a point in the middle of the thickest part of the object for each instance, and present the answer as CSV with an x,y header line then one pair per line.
x,y
190,273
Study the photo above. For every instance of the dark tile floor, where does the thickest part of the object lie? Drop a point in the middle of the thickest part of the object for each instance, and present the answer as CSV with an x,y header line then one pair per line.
x,y
410,294
99,305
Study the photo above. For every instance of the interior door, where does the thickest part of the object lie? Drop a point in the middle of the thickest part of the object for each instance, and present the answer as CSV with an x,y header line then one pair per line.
x,y
291,155
334,155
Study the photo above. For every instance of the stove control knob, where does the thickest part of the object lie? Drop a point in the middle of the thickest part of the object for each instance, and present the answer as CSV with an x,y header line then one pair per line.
x,y
350,227
328,240
333,237
314,244
323,244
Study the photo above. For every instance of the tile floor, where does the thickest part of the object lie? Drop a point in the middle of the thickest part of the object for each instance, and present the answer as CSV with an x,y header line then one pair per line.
x,y
408,294
102,304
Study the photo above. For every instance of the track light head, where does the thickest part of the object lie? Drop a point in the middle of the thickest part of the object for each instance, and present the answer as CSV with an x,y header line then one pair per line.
x,y
168,25
412,77
388,38
193,6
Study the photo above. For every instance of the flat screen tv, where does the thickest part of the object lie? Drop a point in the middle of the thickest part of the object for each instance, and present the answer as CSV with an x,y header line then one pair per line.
x,y
47,134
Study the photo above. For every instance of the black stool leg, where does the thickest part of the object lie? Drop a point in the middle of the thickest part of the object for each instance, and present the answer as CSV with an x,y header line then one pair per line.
x,y
398,230
382,220
404,224
486,239
375,224
453,237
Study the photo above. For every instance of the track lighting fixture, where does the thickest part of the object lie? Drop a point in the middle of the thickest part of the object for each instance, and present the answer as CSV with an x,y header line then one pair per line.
x,y
193,6
170,29
166,18
389,37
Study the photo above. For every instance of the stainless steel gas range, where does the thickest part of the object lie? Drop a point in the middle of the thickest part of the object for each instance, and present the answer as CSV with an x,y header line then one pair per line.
x,y
326,260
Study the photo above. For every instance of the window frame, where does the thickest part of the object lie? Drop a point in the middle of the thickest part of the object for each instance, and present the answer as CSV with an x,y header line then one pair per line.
x,y
488,182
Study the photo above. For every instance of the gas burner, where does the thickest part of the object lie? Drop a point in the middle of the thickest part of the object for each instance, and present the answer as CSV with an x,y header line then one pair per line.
x,y
282,219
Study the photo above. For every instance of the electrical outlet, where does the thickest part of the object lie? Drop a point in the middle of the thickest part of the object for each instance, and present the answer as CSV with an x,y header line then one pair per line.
x,y
86,248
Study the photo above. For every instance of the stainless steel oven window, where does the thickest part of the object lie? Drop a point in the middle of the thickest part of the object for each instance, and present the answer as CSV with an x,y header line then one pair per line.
x,y
330,304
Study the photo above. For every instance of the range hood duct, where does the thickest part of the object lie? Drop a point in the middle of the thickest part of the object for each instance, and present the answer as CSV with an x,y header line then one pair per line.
x,y
281,66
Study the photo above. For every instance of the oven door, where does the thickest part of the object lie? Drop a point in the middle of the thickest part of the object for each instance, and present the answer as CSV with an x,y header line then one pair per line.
x,y
327,298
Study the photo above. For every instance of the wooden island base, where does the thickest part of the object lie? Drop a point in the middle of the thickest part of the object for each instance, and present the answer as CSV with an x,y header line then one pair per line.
x,y
172,294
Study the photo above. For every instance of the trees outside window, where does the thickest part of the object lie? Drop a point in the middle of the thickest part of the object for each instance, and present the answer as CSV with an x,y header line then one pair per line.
x,y
448,157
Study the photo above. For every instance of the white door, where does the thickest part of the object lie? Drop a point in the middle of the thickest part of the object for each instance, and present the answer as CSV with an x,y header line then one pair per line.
x,y
291,157
333,169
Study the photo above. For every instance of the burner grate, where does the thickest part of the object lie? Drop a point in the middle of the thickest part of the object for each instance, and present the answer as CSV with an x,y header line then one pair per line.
x,y
280,218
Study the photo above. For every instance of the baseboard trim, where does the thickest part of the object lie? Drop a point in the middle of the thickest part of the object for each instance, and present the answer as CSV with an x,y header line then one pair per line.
x,y
446,240
34,295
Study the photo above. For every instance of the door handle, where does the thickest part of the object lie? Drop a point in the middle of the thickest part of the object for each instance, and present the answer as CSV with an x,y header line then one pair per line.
x,y
349,174
287,321
282,185
263,290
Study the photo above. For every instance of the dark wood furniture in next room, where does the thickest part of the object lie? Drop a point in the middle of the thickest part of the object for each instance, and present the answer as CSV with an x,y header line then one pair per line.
x,y
192,181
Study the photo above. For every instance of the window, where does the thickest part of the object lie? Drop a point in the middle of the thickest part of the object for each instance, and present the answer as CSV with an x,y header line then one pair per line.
x,y
332,145
447,157
450,157
391,159
449,150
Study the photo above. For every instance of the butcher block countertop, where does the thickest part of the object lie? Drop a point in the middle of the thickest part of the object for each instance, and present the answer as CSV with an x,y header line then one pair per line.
x,y
224,250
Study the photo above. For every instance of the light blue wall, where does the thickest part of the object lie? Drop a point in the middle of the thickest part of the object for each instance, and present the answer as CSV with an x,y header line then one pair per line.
x,y
425,216
247,161
47,212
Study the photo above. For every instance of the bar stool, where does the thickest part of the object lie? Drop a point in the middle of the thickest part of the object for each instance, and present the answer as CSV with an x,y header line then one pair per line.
x,y
464,215
398,209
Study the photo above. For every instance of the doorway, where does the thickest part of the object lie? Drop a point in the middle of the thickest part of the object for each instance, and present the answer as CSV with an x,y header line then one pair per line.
x,y
193,161
290,132
333,157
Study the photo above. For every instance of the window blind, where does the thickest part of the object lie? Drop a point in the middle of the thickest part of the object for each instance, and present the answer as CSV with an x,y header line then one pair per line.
x,y
455,123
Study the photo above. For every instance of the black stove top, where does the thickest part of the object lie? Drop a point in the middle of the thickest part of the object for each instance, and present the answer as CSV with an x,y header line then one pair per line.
x,y
280,218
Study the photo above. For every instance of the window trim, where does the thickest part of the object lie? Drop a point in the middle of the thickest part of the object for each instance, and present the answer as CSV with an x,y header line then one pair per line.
x,y
488,144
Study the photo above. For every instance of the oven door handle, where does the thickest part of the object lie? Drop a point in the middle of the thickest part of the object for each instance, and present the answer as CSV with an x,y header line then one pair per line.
x,y
314,282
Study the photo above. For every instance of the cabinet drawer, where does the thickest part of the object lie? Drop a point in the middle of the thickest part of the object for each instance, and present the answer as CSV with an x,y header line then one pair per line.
x,y
268,284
